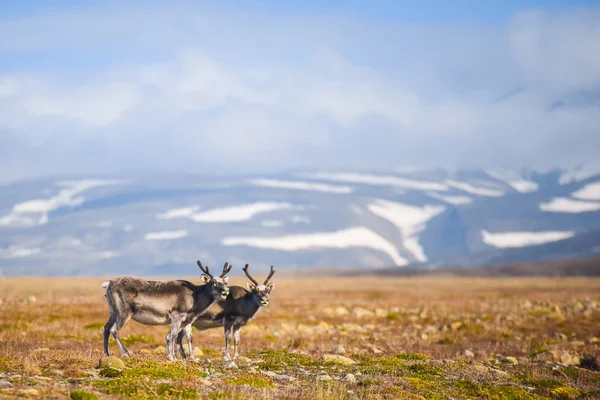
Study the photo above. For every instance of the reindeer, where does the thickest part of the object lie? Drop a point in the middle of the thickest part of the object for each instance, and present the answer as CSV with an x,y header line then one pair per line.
x,y
239,308
176,303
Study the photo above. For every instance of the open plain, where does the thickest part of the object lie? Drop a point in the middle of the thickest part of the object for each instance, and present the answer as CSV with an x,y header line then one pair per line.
x,y
346,338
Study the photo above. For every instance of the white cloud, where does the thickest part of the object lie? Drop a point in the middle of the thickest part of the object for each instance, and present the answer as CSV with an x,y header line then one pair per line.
x,y
381,180
479,191
18,252
294,90
239,213
166,235
522,239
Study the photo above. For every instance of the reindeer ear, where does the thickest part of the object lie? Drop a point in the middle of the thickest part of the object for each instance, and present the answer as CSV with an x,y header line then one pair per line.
x,y
225,279
205,278
270,286
250,286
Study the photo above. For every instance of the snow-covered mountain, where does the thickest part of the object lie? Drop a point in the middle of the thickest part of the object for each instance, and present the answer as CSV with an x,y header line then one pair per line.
x,y
163,224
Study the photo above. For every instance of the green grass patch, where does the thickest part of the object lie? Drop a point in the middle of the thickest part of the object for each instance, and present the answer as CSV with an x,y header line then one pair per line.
x,y
82,395
447,340
274,360
52,318
369,382
413,356
94,326
133,339
254,380
565,393
136,380
392,316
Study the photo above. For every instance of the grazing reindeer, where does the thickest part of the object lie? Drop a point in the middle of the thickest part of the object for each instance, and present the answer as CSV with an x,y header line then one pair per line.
x,y
232,313
176,303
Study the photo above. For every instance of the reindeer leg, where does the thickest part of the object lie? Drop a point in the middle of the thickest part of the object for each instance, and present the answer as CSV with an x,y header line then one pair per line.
x,y
227,328
188,337
115,332
236,340
112,319
176,321
180,344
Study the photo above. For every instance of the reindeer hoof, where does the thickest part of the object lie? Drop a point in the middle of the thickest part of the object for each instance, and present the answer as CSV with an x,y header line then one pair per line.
x,y
230,364
194,358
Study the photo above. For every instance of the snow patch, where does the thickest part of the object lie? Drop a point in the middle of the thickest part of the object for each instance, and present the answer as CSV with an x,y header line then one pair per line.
x,y
516,182
454,200
239,213
35,212
566,205
317,187
522,239
479,191
382,180
18,252
591,191
410,220
166,235
179,212
347,238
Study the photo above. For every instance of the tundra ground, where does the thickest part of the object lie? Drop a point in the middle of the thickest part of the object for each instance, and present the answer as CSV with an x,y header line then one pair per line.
x,y
349,338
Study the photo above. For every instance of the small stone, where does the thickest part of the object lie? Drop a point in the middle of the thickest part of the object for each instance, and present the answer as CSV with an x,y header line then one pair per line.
x,y
480,368
455,325
360,312
29,392
41,350
424,336
349,378
112,362
341,311
594,340
468,353
30,299
358,373
339,349
5,384
324,378
324,325
338,359
205,382
376,350
511,360
253,370
380,312
499,372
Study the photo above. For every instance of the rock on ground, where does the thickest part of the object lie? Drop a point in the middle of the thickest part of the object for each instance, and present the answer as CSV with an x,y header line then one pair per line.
x,y
112,362
336,358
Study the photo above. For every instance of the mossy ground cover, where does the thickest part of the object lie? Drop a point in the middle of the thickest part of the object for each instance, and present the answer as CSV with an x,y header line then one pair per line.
x,y
405,338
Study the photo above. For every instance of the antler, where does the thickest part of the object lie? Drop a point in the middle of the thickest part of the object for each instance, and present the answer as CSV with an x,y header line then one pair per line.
x,y
270,275
226,268
245,269
204,269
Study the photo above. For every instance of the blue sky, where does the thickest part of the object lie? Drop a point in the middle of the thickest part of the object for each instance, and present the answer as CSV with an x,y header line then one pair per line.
x,y
113,86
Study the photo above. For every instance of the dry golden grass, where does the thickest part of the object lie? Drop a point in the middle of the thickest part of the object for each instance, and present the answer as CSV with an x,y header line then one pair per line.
x,y
407,336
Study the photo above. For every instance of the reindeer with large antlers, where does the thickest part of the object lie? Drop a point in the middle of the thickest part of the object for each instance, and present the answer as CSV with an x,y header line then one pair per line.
x,y
175,303
237,310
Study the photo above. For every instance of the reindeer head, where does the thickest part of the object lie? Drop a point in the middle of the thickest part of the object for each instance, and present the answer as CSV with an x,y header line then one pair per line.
x,y
260,291
218,286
